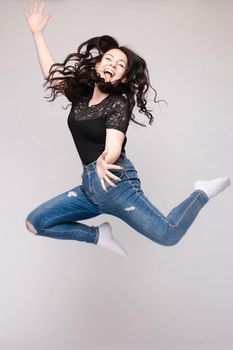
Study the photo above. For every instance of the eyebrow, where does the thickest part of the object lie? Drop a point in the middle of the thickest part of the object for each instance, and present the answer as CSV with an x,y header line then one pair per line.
x,y
113,56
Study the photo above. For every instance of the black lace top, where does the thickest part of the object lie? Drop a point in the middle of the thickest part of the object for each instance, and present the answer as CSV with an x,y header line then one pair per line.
x,y
88,124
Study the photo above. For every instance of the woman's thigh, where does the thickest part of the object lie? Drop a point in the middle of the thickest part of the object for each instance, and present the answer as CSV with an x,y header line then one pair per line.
x,y
128,202
72,205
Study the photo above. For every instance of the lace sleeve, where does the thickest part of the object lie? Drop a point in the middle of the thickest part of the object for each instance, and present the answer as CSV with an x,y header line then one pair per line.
x,y
119,118
69,95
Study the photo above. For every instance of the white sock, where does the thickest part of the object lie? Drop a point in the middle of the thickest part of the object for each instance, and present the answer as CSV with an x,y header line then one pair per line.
x,y
106,240
211,188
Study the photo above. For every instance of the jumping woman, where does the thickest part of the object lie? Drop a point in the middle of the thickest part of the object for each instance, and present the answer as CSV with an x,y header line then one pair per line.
x,y
104,82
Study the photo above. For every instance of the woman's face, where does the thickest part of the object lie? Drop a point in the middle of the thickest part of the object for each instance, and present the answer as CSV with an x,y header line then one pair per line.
x,y
112,66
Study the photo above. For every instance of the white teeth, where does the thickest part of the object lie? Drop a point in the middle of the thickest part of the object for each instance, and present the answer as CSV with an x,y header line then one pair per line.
x,y
109,71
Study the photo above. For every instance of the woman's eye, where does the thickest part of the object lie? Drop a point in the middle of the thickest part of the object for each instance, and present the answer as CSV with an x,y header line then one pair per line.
x,y
107,58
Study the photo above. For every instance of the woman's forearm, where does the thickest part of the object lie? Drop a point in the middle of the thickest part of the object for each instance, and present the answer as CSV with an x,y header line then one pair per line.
x,y
45,57
113,154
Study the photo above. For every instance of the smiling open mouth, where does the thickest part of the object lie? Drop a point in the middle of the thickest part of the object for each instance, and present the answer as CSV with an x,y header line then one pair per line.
x,y
108,74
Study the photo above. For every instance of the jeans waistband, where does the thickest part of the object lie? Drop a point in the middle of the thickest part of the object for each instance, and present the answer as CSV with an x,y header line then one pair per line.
x,y
122,161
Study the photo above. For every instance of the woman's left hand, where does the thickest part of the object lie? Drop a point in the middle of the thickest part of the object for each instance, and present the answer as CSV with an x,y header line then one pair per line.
x,y
103,173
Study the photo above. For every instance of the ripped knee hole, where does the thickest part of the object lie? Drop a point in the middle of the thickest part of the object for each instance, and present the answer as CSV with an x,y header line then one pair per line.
x,y
31,228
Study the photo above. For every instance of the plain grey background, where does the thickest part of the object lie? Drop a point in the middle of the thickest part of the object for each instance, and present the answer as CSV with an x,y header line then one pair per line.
x,y
67,295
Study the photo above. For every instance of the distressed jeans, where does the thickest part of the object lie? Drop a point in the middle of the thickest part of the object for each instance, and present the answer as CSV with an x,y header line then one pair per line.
x,y
60,216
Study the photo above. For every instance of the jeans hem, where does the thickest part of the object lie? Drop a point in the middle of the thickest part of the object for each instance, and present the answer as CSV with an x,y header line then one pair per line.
x,y
97,235
203,194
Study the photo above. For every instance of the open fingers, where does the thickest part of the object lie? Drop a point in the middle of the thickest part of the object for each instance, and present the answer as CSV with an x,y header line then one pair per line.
x,y
32,8
103,185
105,178
42,6
113,166
109,181
28,10
114,177
35,6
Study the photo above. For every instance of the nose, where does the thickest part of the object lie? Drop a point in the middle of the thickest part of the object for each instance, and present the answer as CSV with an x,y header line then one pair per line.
x,y
113,64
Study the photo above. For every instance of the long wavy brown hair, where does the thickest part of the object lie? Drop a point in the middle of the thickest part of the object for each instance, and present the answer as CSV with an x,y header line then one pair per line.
x,y
77,76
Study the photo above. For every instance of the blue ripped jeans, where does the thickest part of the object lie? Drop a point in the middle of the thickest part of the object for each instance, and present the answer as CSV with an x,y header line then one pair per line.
x,y
60,217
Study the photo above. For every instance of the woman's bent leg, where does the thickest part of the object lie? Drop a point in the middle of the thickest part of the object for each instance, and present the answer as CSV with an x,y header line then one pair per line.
x,y
57,217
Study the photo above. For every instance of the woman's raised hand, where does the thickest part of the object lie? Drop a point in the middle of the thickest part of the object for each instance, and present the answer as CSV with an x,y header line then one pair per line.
x,y
102,170
34,15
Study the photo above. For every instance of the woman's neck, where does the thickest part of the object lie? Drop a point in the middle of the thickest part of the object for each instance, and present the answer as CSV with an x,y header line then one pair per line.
x,y
98,95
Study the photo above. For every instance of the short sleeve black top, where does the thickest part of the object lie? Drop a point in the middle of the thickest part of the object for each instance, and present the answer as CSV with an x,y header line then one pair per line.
x,y
88,124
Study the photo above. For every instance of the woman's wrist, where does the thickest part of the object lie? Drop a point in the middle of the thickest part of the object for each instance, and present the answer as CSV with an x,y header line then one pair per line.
x,y
37,34
112,155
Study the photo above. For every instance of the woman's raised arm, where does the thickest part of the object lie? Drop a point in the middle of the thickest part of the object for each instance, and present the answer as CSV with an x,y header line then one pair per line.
x,y
37,22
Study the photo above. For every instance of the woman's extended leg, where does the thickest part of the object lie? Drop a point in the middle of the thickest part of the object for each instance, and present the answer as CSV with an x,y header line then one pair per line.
x,y
129,203
57,217
137,211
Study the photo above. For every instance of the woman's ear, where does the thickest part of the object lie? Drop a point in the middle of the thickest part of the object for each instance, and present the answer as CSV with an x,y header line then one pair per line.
x,y
124,80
